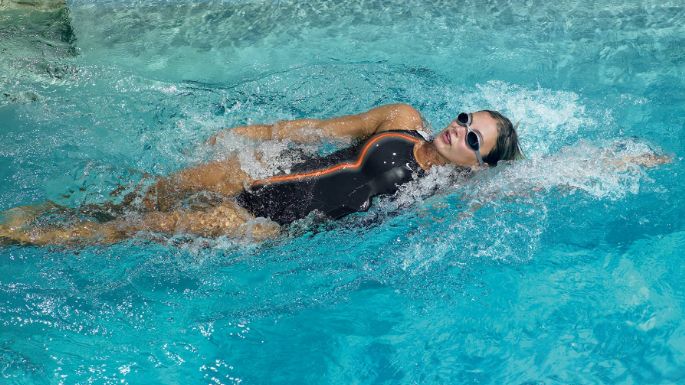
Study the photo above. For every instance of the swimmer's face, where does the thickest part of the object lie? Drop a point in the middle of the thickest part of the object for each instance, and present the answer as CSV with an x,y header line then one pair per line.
x,y
451,142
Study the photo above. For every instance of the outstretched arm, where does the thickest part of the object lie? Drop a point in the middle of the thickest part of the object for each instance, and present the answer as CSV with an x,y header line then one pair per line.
x,y
584,170
379,119
645,160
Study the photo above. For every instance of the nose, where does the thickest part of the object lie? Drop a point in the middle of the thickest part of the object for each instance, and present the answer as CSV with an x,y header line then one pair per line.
x,y
460,130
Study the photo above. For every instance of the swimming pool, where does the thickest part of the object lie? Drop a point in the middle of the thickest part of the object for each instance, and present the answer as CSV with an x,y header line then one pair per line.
x,y
570,272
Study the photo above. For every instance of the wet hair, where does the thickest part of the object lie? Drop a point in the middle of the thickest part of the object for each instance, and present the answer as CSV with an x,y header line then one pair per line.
x,y
507,145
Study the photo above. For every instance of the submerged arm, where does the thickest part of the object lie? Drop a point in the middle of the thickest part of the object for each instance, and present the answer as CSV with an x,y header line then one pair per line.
x,y
645,160
379,119
226,219
585,170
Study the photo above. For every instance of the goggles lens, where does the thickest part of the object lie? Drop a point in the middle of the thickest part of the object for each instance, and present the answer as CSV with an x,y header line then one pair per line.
x,y
472,140
464,119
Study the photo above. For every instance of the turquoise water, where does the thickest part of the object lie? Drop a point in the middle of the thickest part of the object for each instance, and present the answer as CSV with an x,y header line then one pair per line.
x,y
558,269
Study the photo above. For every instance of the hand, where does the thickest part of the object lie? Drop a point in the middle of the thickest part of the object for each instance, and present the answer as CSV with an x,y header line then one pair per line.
x,y
646,160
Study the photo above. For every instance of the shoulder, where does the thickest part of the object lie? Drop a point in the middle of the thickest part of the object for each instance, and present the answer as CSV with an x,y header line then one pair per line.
x,y
401,116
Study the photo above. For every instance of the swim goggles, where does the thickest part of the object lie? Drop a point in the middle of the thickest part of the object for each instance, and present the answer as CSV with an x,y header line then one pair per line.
x,y
473,139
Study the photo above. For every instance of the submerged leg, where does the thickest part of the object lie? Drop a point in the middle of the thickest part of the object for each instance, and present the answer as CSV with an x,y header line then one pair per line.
x,y
21,216
227,219
84,232
224,177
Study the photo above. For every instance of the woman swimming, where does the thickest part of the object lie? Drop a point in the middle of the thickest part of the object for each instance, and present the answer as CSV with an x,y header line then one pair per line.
x,y
391,150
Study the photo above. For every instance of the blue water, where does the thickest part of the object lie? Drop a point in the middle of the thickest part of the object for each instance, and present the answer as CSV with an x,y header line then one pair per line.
x,y
559,269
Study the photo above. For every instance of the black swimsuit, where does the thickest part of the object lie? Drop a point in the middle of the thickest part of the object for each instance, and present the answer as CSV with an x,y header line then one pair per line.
x,y
338,184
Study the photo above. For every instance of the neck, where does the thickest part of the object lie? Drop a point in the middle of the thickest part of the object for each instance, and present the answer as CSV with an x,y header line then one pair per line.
x,y
427,155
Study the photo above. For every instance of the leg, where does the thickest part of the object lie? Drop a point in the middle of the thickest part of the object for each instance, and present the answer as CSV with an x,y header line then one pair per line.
x,y
227,219
20,216
224,177
84,232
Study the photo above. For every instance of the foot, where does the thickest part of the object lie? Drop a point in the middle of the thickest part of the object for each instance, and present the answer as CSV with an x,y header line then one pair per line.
x,y
9,236
19,216
5,235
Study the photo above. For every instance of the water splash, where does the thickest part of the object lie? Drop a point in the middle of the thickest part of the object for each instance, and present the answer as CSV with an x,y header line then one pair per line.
x,y
604,170
547,119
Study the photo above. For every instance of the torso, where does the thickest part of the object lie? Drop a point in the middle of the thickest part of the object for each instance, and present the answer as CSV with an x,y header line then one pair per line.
x,y
340,183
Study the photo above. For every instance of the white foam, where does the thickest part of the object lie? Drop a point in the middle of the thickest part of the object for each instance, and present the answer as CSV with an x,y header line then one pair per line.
x,y
504,211
547,119
261,159
437,180
608,171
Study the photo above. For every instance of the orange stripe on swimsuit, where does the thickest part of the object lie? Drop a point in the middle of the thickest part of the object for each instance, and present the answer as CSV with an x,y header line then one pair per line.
x,y
343,166
337,184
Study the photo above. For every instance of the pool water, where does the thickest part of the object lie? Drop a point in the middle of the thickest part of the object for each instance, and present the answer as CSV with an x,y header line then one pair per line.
x,y
562,268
